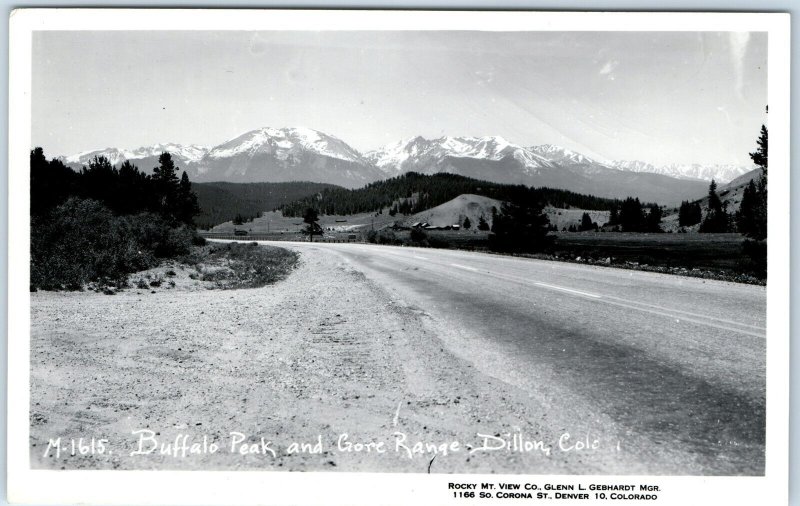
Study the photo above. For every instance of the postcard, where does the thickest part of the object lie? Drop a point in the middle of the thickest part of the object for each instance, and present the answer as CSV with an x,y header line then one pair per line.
x,y
376,257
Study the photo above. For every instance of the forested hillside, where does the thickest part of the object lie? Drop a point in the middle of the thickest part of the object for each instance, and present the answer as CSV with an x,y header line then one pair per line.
x,y
221,202
414,192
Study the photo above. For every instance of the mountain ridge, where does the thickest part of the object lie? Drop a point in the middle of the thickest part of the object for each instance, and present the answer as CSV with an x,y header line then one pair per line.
x,y
270,154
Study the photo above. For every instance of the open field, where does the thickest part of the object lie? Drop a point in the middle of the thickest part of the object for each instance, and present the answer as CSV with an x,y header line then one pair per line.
x,y
699,252
714,256
274,222
564,218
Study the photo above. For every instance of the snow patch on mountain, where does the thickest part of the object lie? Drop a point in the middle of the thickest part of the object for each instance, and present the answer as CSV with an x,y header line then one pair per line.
x,y
633,165
395,157
187,153
560,154
113,155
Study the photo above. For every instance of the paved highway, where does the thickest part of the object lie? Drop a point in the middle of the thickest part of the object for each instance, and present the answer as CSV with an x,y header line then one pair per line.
x,y
671,368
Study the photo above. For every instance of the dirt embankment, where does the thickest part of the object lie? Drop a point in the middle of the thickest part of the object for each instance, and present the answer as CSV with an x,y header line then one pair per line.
x,y
323,356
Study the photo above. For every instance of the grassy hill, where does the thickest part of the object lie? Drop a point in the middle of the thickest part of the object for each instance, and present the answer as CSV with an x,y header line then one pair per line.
x,y
455,211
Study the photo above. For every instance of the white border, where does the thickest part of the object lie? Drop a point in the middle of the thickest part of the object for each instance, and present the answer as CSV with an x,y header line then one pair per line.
x,y
256,487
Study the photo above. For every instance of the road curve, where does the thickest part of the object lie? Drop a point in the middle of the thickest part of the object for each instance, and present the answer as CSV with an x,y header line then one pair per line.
x,y
670,368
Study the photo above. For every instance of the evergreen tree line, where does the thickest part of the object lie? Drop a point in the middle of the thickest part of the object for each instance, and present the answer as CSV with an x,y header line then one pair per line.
x,y
101,223
124,190
749,220
520,226
690,213
412,192
717,219
633,216
241,219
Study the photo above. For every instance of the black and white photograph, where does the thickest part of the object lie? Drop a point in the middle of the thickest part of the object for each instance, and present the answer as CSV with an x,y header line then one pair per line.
x,y
438,249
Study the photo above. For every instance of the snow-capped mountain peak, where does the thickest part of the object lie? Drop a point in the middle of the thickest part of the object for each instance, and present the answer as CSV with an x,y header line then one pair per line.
x,y
399,156
281,142
298,153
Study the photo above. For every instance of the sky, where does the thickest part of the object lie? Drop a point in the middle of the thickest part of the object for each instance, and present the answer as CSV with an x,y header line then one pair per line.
x,y
660,97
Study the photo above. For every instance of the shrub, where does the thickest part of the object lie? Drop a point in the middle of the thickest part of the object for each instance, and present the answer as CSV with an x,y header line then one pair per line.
x,y
235,265
387,237
418,235
81,241
521,228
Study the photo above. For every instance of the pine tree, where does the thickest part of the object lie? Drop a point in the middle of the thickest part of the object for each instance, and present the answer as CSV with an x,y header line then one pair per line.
x,y
745,217
653,220
482,225
99,181
717,219
683,214
166,184
467,224
188,207
713,199
51,182
696,213
752,216
613,217
689,214
631,215
312,228
134,192
586,222
759,156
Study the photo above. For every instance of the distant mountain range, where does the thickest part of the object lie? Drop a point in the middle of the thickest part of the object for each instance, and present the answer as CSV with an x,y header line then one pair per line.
x,y
720,173
265,155
497,160
144,156
303,154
